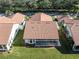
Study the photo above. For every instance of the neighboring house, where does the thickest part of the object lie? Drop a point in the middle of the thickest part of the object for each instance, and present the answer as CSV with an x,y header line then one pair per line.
x,y
9,27
60,20
19,19
7,35
41,31
75,36
66,23
71,29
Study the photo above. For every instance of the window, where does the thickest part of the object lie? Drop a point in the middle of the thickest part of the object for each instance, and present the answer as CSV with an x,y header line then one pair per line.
x,y
77,47
30,41
0,46
4,46
55,42
50,41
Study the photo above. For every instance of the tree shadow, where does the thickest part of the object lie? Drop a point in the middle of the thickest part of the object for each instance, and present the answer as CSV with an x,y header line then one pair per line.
x,y
66,45
18,41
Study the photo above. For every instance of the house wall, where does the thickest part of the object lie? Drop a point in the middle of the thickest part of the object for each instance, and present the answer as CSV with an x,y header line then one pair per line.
x,y
21,25
3,48
57,26
48,43
14,31
34,42
12,36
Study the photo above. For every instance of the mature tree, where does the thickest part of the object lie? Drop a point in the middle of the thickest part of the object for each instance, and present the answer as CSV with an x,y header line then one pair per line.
x,y
35,4
44,4
8,12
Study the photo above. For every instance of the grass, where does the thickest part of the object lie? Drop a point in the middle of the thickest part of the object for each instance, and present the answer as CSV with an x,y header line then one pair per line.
x,y
19,51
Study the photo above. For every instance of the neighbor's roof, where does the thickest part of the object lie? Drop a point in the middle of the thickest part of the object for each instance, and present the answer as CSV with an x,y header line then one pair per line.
x,y
76,21
71,22
5,30
41,17
16,18
63,17
75,33
40,30
68,20
3,18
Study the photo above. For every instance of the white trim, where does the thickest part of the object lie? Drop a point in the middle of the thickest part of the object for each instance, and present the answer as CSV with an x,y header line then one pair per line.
x,y
57,26
12,35
59,43
21,27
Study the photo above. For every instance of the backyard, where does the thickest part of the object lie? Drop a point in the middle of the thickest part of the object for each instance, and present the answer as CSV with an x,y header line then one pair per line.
x,y
19,51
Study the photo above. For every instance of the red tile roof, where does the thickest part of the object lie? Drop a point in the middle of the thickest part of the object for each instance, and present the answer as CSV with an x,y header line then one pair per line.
x,y
6,24
41,17
71,22
16,18
5,30
74,25
61,17
75,33
40,30
41,26
67,20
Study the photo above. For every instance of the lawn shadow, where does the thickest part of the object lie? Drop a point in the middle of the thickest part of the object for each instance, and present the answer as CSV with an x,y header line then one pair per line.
x,y
66,47
18,41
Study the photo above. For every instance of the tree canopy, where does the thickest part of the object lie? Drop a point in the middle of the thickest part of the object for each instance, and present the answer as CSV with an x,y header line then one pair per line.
x,y
24,5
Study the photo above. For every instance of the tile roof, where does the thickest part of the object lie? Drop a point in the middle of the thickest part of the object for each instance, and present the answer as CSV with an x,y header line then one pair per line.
x,y
71,22
68,20
75,33
74,25
41,17
41,26
16,18
61,17
40,30
5,30
6,24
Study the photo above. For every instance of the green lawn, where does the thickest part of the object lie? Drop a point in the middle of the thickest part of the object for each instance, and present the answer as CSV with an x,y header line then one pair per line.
x,y
20,52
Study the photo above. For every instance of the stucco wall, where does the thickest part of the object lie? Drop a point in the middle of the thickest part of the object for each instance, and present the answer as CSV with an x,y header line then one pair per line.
x,y
13,33
28,41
